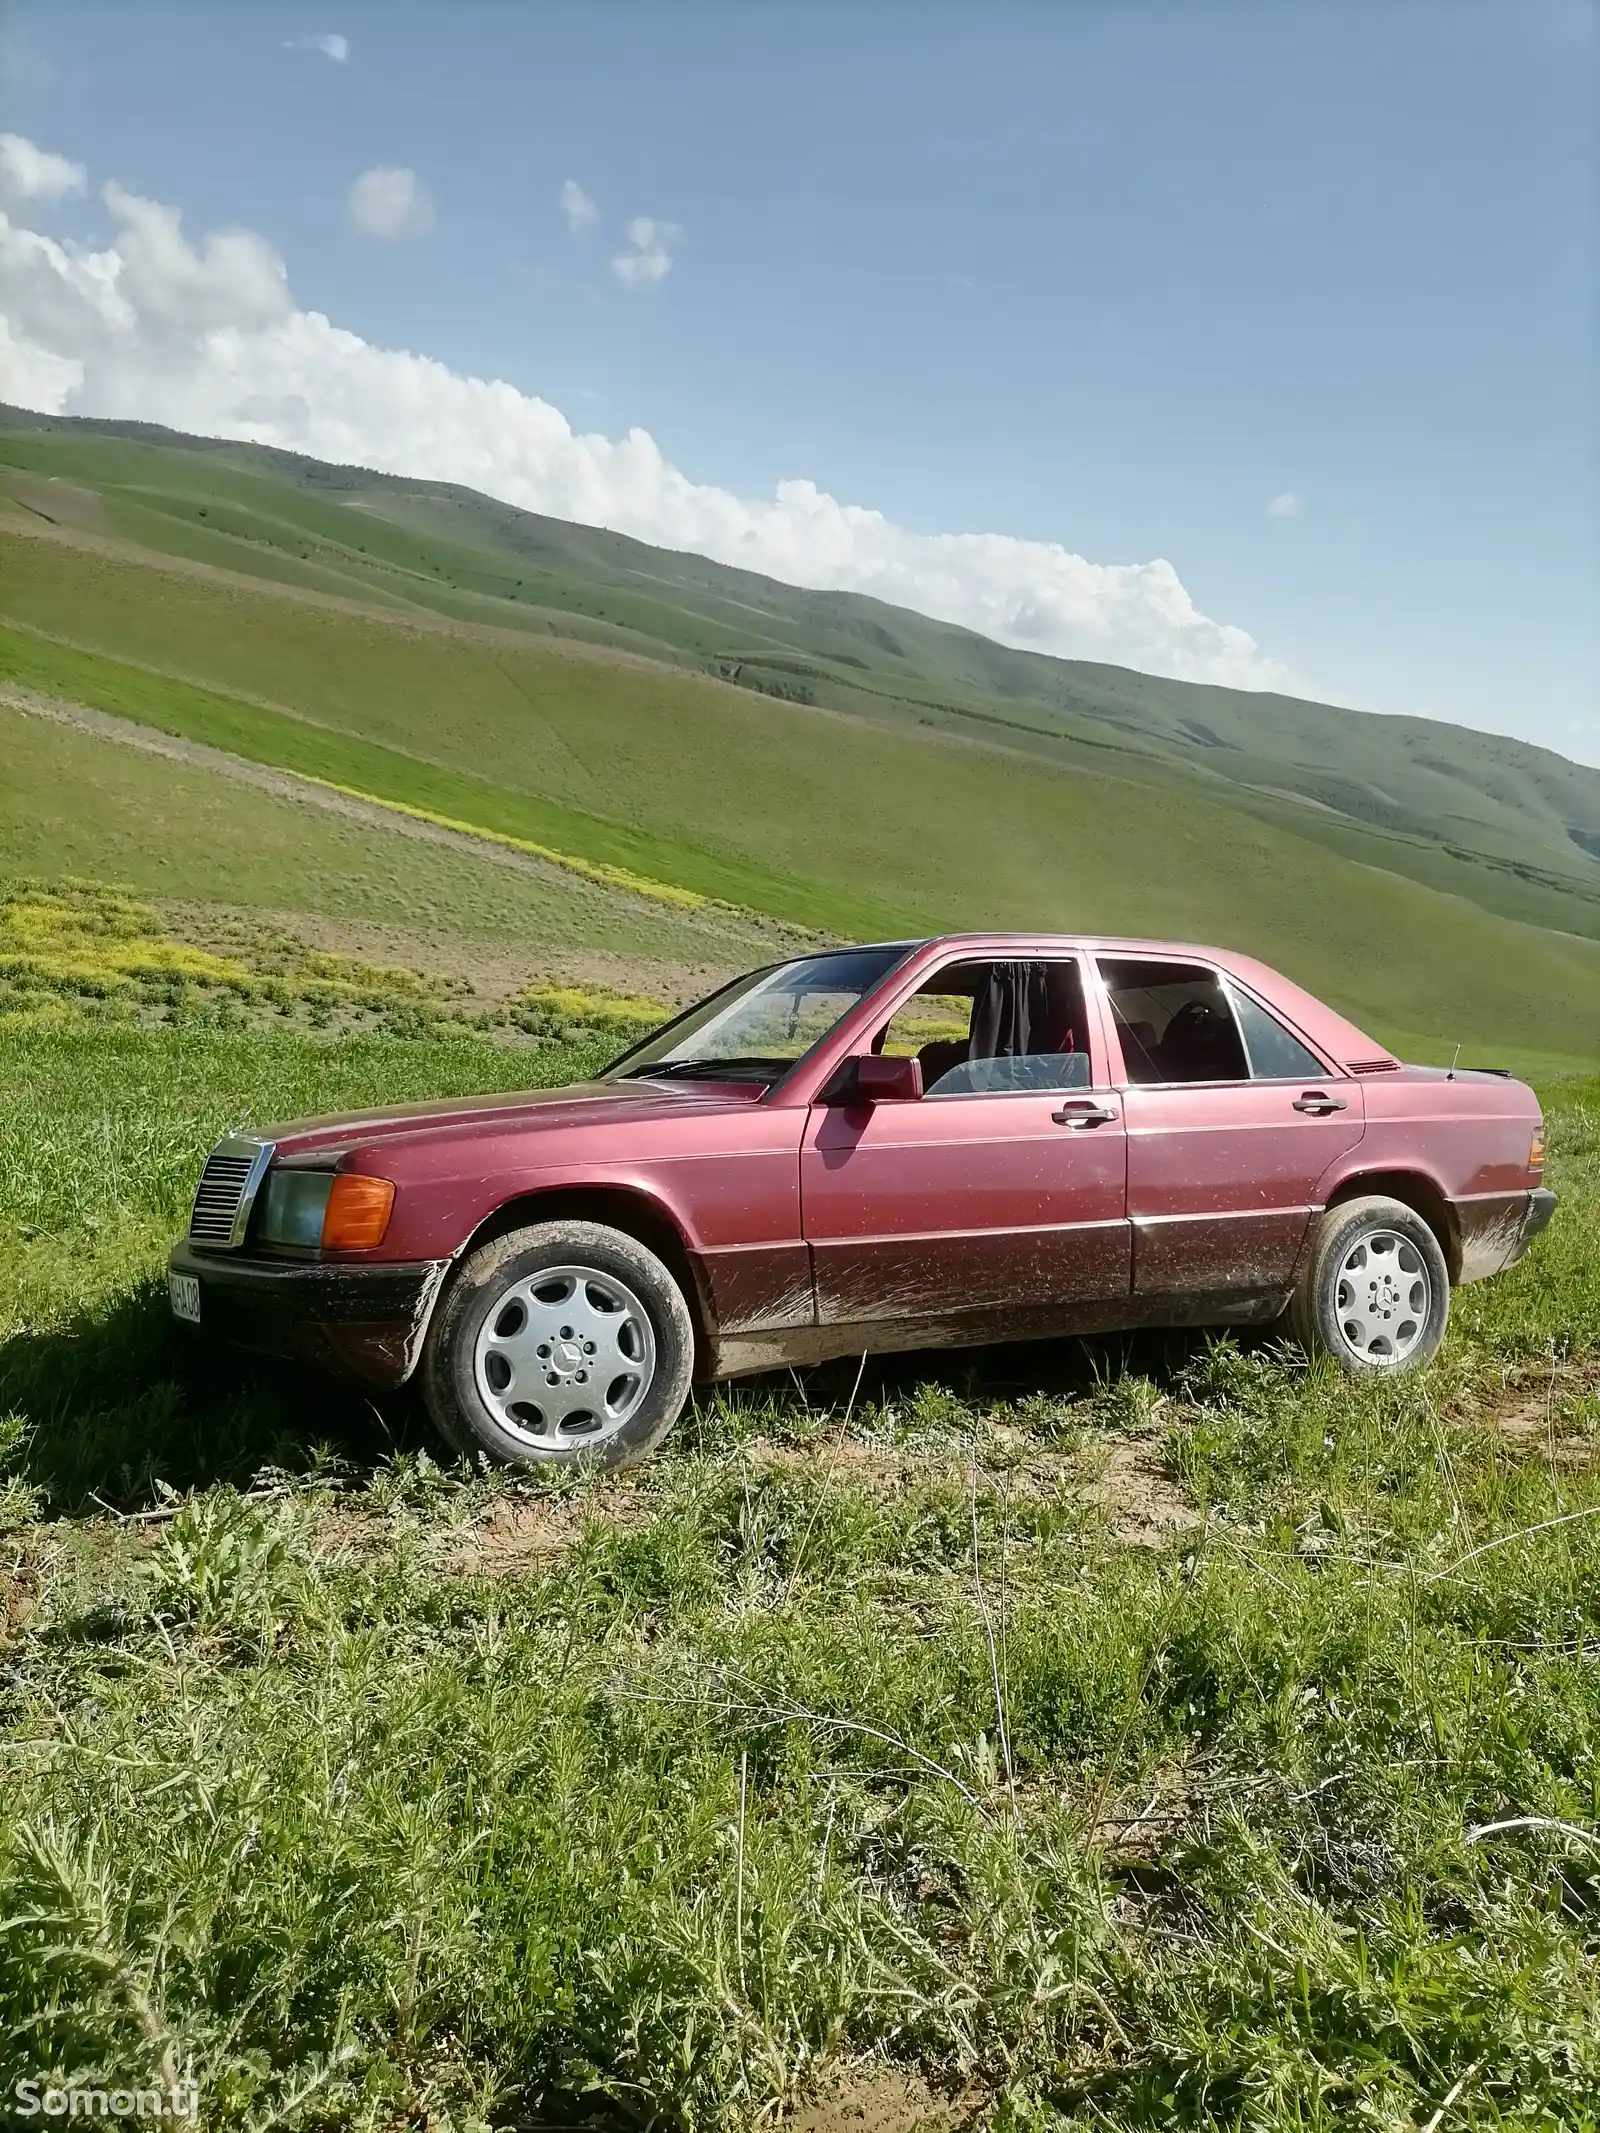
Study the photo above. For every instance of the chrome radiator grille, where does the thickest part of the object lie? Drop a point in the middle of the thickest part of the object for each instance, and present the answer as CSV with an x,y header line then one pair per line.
x,y
226,1192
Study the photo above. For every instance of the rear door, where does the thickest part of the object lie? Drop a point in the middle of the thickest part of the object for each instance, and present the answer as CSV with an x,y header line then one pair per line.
x,y
1232,1122
996,1199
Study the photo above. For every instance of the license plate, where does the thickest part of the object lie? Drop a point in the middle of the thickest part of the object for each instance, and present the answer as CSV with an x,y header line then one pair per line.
x,y
184,1291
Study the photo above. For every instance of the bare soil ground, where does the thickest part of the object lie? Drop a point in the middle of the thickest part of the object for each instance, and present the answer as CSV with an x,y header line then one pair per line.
x,y
879,2100
521,1533
61,505
1141,1501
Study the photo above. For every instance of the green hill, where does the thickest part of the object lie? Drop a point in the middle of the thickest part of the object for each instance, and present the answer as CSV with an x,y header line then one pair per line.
x,y
1443,803
819,757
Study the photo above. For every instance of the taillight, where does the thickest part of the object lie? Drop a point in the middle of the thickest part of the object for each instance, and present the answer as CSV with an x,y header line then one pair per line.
x,y
357,1212
1536,1151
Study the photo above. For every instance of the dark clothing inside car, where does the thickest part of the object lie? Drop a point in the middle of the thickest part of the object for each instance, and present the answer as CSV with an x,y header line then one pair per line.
x,y
1023,1033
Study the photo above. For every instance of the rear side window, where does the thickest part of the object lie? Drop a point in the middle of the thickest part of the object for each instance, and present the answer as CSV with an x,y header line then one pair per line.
x,y
1275,1055
1175,1022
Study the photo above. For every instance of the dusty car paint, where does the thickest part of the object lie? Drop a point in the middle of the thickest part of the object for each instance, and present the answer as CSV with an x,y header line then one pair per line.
x,y
807,1228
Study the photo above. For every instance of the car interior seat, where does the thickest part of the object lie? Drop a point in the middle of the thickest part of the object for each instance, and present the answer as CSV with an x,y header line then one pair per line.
x,y
1139,1049
1200,1043
942,1056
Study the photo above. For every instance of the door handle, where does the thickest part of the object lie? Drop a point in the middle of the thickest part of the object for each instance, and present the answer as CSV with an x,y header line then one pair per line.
x,y
1319,1105
1077,1116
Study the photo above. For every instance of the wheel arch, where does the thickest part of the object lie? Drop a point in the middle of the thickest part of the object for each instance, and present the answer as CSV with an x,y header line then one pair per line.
x,y
637,1214
1416,1190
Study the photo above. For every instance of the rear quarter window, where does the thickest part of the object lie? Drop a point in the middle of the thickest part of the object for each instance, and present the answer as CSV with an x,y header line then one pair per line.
x,y
1276,1054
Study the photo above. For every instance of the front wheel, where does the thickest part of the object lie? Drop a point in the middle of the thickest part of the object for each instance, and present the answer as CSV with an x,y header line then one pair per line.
x,y
1376,1294
561,1343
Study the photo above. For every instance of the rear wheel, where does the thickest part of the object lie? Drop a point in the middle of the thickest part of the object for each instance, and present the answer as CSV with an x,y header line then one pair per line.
x,y
1376,1294
560,1343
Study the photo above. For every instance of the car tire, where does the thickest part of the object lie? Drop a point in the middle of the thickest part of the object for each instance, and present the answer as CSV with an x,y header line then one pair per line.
x,y
1375,1294
562,1344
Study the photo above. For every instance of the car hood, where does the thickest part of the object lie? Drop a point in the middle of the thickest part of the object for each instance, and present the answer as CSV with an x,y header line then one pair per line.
x,y
579,1103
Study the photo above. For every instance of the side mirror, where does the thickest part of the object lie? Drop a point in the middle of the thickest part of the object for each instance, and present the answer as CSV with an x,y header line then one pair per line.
x,y
887,1081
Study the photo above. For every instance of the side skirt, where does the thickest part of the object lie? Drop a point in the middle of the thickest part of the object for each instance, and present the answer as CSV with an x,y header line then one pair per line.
x,y
742,1354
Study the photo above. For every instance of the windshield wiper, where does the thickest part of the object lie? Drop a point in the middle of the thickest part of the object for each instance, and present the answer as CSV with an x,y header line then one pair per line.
x,y
706,1070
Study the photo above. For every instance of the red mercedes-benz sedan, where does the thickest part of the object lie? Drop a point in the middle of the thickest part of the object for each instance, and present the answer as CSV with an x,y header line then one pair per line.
x,y
923,1143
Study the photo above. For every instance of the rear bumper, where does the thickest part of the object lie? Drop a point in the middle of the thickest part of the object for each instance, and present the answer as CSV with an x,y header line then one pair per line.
x,y
1496,1230
1498,1246
1541,1206
366,1322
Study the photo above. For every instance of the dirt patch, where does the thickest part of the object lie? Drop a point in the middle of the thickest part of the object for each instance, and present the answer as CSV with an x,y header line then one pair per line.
x,y
58,503
1143,1505
19,1585
522,1533
878,2100
1543,1410
882,1465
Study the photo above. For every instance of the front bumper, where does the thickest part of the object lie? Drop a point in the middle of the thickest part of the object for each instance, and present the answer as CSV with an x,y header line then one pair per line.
x,y
366,1322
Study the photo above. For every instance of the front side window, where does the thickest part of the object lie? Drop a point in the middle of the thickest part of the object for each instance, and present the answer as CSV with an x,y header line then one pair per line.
x,y
757,1028
1275,1054
995,1029
1175,1022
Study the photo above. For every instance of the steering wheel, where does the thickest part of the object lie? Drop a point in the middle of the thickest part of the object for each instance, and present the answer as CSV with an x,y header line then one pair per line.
x,y
1195,1018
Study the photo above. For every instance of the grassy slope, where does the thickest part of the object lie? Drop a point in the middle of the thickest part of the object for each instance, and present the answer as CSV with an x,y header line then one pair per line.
x,y
474,1802
72,804
338,757
1512,826
1406,774
824,819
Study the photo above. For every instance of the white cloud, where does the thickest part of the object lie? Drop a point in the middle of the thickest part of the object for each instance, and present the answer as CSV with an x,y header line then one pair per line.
x,y
390,202
581,212
648,258
331,44
206,337
29,173
1287,505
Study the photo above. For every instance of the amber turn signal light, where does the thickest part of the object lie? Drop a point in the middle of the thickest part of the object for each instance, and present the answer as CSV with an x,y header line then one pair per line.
x,y
1536,1151
357,1213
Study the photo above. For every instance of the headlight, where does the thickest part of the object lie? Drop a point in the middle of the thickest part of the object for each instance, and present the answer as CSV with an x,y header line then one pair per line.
x,y
293,1205
336,1211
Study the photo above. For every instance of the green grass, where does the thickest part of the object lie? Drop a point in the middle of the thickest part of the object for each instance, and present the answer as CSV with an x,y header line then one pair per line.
x,y
1508,825
367,1789
386,773
831,822
78,951
72,803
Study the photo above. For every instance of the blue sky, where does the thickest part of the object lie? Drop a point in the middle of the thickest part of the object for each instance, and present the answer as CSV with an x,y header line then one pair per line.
x,y
1114,277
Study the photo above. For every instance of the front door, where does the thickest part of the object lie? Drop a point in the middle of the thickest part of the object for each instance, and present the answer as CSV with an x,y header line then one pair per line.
x,y
998,1198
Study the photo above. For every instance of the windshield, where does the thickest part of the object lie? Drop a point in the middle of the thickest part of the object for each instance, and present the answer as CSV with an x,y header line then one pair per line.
x,y
756,1029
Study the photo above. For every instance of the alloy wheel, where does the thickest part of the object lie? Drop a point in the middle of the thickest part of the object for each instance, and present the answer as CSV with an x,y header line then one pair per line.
x,y
565,1358
1382,1297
